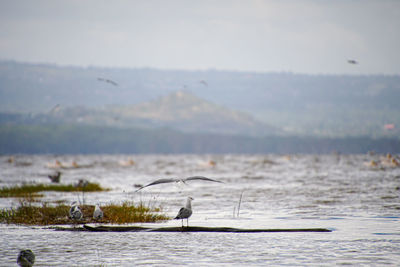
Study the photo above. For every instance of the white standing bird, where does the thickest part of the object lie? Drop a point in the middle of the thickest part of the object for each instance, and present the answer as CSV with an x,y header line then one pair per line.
x,y
98,213
174,180
185,212
26,258
75,212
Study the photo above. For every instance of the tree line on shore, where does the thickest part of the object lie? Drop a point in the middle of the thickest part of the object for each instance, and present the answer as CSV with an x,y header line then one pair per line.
x,y
84,139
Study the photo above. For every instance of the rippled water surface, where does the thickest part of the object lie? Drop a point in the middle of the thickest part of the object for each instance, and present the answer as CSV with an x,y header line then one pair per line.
x,y
350,194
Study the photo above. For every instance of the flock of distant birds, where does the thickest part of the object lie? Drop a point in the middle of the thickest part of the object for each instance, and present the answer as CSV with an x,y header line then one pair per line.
x,y
57,107
101,79
387,161
109,81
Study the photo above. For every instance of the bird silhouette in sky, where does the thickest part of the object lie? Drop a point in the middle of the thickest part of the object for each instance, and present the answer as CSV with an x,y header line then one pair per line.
x,y
352,61
204,82
107,81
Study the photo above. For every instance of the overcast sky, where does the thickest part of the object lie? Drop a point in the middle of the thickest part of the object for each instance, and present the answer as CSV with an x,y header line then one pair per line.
x,y
297,36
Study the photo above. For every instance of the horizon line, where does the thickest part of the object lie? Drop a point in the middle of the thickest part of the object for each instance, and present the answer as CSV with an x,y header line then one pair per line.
x,y
211,69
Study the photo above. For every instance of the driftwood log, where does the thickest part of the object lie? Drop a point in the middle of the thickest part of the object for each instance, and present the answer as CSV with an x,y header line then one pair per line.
x,y
186,229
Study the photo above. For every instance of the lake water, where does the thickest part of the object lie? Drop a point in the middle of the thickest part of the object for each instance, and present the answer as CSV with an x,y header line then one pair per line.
x,y
349,194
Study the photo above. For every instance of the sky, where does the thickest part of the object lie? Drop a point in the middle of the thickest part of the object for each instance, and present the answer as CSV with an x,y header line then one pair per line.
x,y
302,36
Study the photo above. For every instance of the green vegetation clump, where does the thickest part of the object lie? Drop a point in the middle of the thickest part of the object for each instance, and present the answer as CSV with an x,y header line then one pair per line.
x,y
33,215
128,213
34,189
46,214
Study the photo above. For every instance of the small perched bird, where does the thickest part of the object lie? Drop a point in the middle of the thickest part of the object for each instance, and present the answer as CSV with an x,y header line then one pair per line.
x,y
75,212
98,213
10,159
173,180
82,183
26,258
55,178
185,212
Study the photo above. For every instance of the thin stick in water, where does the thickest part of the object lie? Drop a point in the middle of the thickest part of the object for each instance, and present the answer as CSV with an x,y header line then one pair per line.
x,y
240,201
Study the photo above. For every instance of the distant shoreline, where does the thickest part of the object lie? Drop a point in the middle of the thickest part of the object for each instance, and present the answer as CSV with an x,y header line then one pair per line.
x,y
84,139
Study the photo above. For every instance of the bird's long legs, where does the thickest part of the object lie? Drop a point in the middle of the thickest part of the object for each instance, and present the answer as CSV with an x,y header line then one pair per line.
x,y
187,222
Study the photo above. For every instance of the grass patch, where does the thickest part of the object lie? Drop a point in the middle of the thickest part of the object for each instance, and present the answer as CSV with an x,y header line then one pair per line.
x,y
33,190
46,214
128,213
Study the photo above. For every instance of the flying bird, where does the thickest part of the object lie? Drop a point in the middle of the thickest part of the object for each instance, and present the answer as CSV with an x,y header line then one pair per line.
x,y
98,213
185,212
75,212
55,178
352,61
107,81
184,180
55,109
26,258
204,82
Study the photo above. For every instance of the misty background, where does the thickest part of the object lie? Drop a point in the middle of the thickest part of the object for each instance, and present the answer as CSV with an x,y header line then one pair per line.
x,y
199,77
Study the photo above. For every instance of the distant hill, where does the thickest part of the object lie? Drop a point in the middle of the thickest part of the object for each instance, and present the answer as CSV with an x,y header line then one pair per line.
x,y
306,105
186,112
179,110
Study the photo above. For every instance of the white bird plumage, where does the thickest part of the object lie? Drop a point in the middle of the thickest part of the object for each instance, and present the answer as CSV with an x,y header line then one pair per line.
x,y
185,212
98,213
175,180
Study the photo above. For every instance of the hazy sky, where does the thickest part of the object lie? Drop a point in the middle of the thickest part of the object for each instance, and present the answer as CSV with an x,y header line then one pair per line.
x,y
298,36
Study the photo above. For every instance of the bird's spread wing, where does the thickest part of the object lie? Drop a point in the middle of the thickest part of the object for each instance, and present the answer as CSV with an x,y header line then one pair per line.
x,y
55,109
107,81
159,181
112,82
171,180
352,61
200,178
204,82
